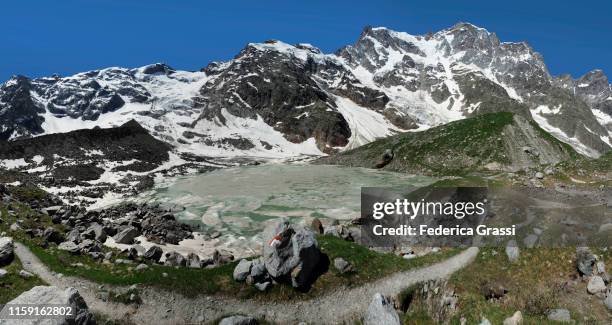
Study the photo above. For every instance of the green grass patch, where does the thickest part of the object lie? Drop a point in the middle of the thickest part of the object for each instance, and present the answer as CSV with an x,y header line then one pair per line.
x,y
12,285
370,265
534,286
457,148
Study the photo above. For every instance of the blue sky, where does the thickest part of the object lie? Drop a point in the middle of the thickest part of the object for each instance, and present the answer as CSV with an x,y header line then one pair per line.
x,y
67,36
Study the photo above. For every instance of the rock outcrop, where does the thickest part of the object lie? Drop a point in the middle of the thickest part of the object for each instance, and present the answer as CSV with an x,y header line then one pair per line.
x,y
6,251
381,311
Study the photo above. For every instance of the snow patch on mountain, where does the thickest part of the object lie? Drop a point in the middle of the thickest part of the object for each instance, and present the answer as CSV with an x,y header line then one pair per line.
x,y
538,115
366,125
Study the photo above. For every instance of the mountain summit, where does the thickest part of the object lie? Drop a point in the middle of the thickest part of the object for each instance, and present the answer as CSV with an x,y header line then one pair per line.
x,y
279,100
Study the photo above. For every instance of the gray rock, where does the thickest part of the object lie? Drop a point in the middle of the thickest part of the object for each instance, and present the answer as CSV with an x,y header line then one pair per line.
x,y
242,270
86,244
530,240
600,267
258,271
52,235
515,319
539,175
73,236
154,253
263,286
15,227
126,236
46,295
596,285
608,300
122,261
291,250
3,273
585,260
317,226
6,251
99,232
512,251
25,274
220,258
560,315
52,210
342,265
193,261
381,311
141,267
238,320
69,246
175,259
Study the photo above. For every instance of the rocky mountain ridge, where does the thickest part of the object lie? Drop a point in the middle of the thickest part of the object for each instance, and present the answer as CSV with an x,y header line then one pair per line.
x,y
277,100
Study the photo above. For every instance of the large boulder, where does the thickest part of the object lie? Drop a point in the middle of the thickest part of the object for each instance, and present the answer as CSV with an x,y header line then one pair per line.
x,y
6,251
126,236
381,311
585,261
45,295
291,251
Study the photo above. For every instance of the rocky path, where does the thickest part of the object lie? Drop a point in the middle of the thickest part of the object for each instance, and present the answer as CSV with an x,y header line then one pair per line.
x,y
164,307
86,288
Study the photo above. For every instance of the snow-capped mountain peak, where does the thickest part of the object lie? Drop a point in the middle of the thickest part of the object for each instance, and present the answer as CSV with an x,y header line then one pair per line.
x,y
280,100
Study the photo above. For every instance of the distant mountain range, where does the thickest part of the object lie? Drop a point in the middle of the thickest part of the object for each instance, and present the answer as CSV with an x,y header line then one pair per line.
x,y
278,100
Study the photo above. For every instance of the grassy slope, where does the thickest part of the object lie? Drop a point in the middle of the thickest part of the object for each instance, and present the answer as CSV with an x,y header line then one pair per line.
x,y
535,284
12,284
456,148
191,282
443,150
596,170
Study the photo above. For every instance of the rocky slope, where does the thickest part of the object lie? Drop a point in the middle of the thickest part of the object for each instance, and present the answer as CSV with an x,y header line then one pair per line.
x,y
89,161
497,141
277,100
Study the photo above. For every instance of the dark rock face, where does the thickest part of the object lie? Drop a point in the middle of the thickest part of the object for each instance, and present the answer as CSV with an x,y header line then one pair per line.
x,y
594,89
125,143
18,112
84,96
129,141
280,88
